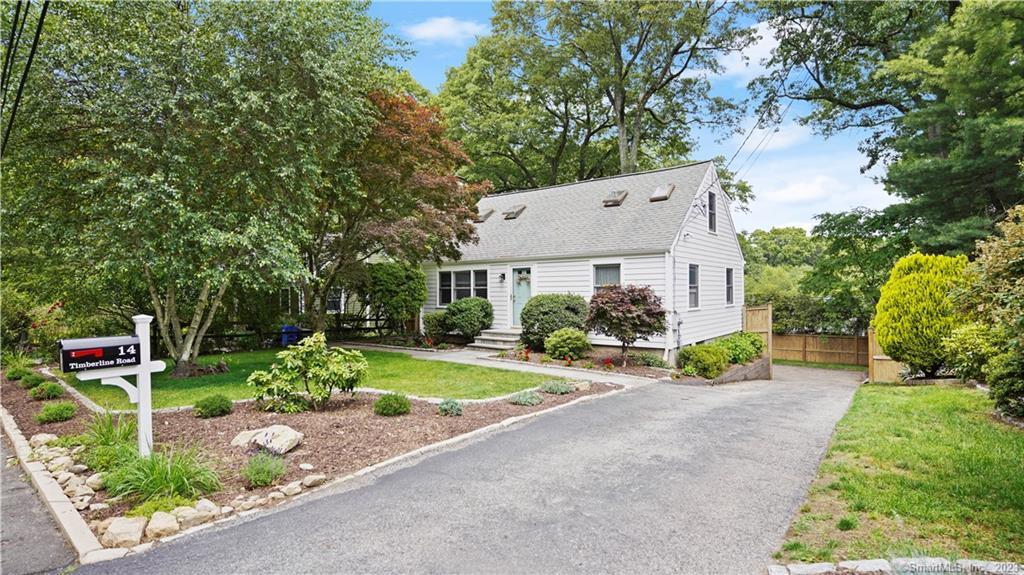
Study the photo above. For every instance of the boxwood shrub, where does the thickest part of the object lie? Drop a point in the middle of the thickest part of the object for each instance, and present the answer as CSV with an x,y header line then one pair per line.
x,y
212,406
16,373
46,390
56,412
742,346
392,404
469,316
527,398
31,380
707,360
546,313
567,342
450,408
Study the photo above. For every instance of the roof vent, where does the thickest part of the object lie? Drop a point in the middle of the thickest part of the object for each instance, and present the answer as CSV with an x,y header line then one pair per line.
x,y
663,192
615,198
482,215
513,212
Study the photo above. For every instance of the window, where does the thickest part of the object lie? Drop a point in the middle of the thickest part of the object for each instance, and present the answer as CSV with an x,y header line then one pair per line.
x,y
461,284
694,286
607,275
712,212
728,286
334,301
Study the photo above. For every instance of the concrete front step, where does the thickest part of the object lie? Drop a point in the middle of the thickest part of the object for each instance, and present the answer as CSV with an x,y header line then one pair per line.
x,y
498,337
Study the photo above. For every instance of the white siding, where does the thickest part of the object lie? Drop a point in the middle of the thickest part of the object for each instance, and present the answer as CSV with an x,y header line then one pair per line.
x,y
713,252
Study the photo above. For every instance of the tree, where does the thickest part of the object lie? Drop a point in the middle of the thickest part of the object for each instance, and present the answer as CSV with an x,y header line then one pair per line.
x,y
396,195
994,290
180,143
393,291
627,313
916,313
788,246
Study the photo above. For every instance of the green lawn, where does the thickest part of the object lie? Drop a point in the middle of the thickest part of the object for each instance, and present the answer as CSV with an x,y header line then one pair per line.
x,y
388,370
798,363
915,470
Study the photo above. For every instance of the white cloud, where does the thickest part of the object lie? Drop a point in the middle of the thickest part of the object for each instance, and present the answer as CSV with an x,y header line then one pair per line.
x,y
744,68
445,30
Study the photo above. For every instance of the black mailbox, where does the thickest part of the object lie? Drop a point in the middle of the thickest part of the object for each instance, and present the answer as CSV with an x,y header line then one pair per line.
x,y
98,353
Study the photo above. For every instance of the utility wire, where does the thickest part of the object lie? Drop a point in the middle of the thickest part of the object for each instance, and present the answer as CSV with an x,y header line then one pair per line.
x,y
24,74
9,62
10,44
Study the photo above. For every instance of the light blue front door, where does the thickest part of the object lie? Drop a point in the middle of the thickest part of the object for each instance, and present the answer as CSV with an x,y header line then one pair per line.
x,y
521,279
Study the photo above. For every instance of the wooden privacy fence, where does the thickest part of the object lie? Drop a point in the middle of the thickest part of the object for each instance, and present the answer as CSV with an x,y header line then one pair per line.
x,y
881,368
818,348
758,320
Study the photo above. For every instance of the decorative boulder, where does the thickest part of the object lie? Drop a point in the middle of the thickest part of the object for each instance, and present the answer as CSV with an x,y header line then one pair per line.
x,y
41,439
78,468
161,525
293,488
189,517
277,439
95,481
124,532
207,506
313,480
59,464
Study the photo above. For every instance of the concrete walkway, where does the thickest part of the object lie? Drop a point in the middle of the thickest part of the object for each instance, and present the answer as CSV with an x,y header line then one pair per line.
x,y
30,541
481,358
659,479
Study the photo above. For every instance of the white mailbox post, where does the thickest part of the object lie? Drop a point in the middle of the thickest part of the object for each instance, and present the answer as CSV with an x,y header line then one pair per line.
x,y
90,358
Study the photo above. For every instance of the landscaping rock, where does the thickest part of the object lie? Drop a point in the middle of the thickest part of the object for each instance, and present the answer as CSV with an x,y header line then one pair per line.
x,y
247,504
78,468
63,477
61,463
101,528
82,490
227,510
777,570
124,532
190,517
278,439
81,503
244,438
207,506
867,566
72,484
77,449
582,386
293,488
98,507
275,495
95,481
811,568
306,466
41,439
161,525
313,480
142,548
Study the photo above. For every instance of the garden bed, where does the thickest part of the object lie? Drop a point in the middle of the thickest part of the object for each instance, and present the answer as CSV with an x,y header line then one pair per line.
x,y
593,361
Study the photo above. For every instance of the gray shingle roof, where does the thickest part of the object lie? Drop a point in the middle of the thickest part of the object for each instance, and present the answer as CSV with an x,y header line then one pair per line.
x,y
571,220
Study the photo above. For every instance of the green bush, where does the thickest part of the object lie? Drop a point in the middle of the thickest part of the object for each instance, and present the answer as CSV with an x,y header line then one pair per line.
x,y
31,380
56,412
46,390
450,408
109,442
213,406
707,359
915,312
969,347
557,387
847,523
527,398
16,373
547,313
742,346
165,504
309,366
263,469
1005,376
435,326
567,342
15,360
469,316
648,359
393,291
15,317
392,404
163,474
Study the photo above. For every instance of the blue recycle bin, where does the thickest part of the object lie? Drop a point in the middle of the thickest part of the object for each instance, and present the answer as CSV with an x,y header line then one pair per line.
x,y
289,335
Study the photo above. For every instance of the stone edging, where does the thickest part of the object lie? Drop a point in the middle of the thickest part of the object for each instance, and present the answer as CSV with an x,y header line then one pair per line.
x,y
357,344
580,369
901,565
82,539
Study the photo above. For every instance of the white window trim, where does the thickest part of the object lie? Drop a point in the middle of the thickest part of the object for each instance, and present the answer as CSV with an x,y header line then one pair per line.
x,y
472,285
726,273
707,221
699,298
621,262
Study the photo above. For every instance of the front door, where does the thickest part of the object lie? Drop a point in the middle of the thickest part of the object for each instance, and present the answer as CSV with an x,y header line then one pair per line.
x,y
521,278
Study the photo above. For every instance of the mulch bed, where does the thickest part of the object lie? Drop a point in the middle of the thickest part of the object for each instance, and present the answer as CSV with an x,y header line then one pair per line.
x,y
600,360
341,438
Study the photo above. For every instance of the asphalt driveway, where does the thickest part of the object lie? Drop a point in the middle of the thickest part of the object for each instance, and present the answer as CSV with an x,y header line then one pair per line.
x,y
660,478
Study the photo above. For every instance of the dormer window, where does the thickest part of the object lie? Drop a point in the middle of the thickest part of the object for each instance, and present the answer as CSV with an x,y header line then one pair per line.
x,y
615,198
663,192
513,212
712,213
482,215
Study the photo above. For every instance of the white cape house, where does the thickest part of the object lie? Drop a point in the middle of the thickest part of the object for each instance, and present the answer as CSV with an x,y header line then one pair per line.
x,y
670,229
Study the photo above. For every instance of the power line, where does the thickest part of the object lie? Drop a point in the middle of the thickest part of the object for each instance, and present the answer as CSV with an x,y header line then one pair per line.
x,y
9,61
24,74
10,44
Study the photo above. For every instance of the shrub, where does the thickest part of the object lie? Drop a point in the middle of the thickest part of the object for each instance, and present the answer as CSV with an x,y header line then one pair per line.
x,y
469,316
308,366
567,342
527,398
56,412
163,474
1005,376
557,387
15,359
31,380
107,457
392,404
213,406
165,504
46,390
547,313
435,326
109,442
742,346
706,360
847,523
16,373
450,408
915,312
15,317
263,469
393,291
627,313
648,360
969,347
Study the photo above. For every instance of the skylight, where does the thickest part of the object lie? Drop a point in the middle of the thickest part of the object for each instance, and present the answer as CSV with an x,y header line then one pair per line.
x,y
615,198
482,215
513,212
663,192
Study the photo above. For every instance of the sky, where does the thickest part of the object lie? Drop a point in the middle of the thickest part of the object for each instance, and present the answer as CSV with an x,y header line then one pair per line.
x,y
797,175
